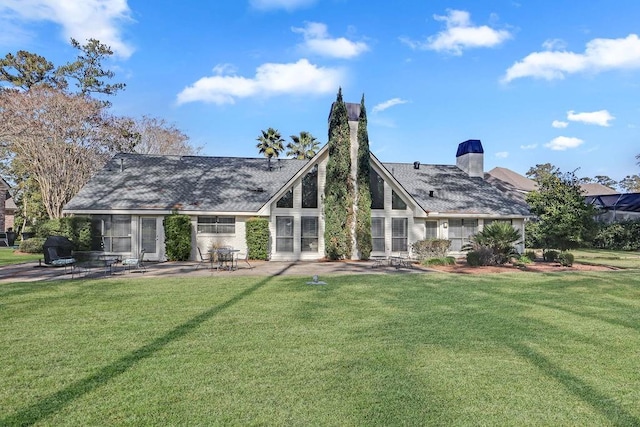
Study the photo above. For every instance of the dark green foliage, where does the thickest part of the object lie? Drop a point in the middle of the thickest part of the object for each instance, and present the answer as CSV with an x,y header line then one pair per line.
x,y
430,248
363,215
480,256
257,237
530,254
563,220
566,259
177,232
75,228
270,144
303,146
499,238
550,256
624,236
32,246
445,260
338,192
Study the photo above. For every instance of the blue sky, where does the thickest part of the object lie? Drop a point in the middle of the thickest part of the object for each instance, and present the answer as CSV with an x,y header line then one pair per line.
x,y
536,81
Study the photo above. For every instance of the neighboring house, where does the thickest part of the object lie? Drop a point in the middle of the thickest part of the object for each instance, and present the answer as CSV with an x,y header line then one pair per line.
x,y
131,195
10,209
616,207
4,195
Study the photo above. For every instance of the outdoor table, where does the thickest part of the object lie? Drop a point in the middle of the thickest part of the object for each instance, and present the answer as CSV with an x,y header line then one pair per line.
x,y
225,258
109,262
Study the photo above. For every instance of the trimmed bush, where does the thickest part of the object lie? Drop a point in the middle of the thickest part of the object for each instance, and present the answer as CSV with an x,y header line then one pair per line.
x,y
449,260
177,231
566,259
430,248
257,238
32,246
550,256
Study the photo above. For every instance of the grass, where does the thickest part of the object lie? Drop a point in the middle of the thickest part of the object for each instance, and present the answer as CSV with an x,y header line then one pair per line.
x,y
620,259
9,256
427,349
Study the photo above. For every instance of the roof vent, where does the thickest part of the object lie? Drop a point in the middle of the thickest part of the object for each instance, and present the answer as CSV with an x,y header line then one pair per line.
x,y
430,193
121,164
416,165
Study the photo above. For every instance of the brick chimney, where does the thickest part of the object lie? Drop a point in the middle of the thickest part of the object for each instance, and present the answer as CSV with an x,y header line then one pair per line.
x,y
470,158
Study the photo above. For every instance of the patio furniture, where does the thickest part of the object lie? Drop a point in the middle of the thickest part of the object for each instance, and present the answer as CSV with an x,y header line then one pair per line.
x,y
243,257
203,259
225,257
135,263
4,240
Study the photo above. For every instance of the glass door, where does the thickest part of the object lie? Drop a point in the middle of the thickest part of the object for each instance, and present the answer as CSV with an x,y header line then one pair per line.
x,y
149,237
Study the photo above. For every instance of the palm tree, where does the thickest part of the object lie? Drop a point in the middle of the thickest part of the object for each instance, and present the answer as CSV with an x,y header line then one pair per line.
x,y
304,146
270,143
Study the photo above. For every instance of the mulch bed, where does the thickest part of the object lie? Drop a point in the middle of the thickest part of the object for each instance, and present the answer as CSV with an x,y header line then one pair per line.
x,y
537,267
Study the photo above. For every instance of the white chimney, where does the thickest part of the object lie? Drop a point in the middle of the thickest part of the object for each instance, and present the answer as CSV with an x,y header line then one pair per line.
x,y
470,158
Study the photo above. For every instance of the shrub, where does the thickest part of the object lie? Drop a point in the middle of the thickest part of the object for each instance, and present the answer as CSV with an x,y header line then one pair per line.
x,y
257,237
550,256
32,246
75,228
566,259
623,235
530,254
448,260
480,256
177,231
499,238
430,248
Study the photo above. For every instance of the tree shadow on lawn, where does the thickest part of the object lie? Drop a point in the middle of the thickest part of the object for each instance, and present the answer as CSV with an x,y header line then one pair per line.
x,y
53,403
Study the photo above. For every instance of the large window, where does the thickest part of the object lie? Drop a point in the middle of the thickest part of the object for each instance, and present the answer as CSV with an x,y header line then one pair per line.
x,y
399,234
377,234
309,239
431,230
397,202
284,234
376,187
310,189
286,201
217,224
460,230
111,233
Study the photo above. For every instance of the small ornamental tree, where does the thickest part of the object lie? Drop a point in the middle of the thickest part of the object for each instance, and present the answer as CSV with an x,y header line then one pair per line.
x,y
363,196
257,237
562,218
177,231
338,192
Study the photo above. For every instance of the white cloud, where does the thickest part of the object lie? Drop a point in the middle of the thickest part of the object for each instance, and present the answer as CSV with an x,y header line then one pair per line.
x,y
600,118
288,5
528,147
554,44
599,55
502,154
82,20
562,143
459,35
388,104
558,124
271,79
317,41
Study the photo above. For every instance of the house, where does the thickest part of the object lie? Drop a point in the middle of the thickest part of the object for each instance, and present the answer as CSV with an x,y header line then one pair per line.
x,y
616,207
7,206
130,196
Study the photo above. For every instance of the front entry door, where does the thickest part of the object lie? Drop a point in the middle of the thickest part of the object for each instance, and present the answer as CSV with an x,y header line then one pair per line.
x,y
149,237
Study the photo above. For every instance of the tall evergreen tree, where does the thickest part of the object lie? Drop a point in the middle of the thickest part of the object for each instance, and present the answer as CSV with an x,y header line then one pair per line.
x,y
363,196
338,192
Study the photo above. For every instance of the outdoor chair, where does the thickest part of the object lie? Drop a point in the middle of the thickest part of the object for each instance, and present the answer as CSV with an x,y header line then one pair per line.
x,y
203,259
135,263
4,240
243,257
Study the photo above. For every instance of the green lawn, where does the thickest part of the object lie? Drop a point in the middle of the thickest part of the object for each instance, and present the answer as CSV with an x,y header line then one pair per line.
x,y
621,259
10,256
423,349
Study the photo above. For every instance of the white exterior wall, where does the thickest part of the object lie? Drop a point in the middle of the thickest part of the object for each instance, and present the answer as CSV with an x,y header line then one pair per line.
x,y
206,241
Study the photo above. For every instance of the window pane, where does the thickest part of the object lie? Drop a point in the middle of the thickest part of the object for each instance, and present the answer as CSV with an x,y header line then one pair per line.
x,y
431,230
399,234
377,234
217,224
310,189
376,187
309,240
284,234
397,202
286,201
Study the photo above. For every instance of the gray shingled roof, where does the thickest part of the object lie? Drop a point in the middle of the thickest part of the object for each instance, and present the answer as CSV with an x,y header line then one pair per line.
x,y
220,184
454,192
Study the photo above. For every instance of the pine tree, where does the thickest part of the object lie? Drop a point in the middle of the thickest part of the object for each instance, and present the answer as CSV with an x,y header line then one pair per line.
x,y
363,197
338,192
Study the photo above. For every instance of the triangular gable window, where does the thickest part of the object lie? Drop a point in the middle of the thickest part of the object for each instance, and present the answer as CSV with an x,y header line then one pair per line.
x,y
286,201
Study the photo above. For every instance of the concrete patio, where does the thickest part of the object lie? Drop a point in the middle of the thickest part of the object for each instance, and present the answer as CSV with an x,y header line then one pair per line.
x,y
33,272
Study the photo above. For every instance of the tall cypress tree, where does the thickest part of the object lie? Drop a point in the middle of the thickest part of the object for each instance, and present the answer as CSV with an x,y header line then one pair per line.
x,y
338,191
363,196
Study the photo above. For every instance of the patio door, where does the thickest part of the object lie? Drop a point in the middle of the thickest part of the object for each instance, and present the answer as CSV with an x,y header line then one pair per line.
x,y
149,237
